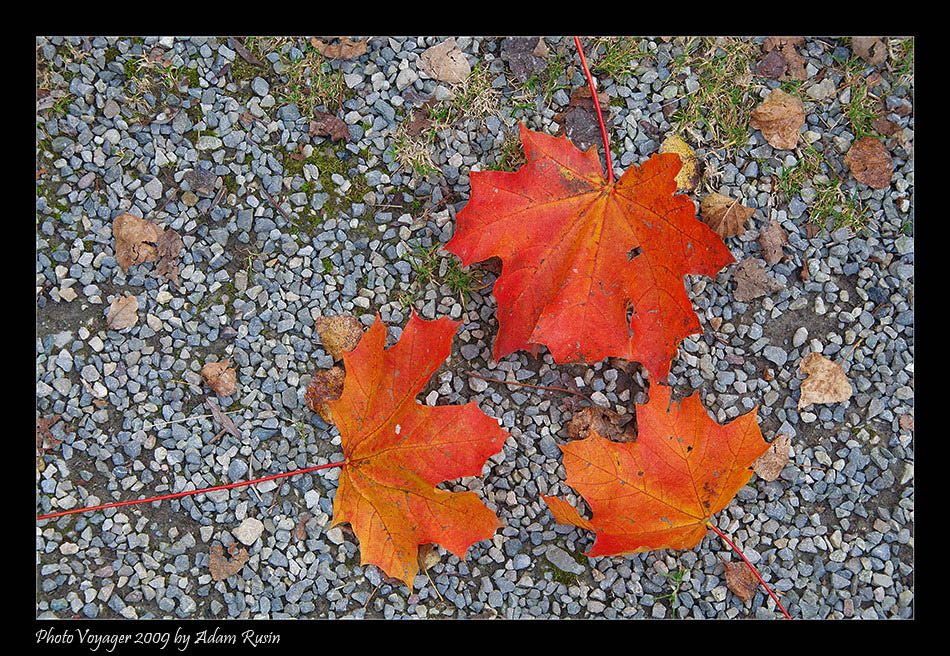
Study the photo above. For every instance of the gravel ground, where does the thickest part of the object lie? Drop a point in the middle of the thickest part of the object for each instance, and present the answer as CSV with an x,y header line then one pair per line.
x,y
126,126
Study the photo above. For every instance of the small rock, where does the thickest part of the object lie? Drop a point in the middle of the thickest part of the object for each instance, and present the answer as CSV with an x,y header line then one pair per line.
x,y
249,530
563,561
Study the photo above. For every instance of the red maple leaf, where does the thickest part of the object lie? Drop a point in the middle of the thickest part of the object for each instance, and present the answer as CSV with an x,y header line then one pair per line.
x,y
660,491
580,254
397,451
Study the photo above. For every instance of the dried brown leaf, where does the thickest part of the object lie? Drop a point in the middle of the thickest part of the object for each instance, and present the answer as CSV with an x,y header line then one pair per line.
x,y
724,215
752,281
884,126
429,555
786,47
169,246
772,66
338,333
123,312
324,386
246,54
772,239
871,49
300,530
328,125
741,580
771,463
826,381
445,62
346,48
579,121
604,422
870,162
135,240
780,117
221,566
220,377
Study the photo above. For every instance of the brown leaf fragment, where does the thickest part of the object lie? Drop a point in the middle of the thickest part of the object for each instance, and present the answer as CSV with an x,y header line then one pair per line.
x,y
870,162
741,581
521,53
246,54
772,66
328,125
724,215
223,421
123,312
579,121
752,280
786,47
871,49
202,181
169,246
429,555
771,463
220,377
338,333
780,117
884,126
134,240
346,48
300,530
445,62
772,239
907,422
324,386
221,566
688,177
604,422
826,381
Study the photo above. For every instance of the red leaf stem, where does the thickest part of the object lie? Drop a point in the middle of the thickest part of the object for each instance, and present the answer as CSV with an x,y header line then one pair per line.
x,y
754,570
600,117
190,492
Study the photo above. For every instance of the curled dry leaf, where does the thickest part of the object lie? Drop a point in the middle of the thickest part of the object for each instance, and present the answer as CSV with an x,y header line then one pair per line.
x,y
222,419
221,566
135,240
724,215
169,246
772,239
445,62
579,121
786,47
780,117
525,55
324,386
871,49
604,422
771,463
220,377
429,555
826,381
346,48
752,281
741,580
688,177
338,333
328,125
870,162
123,312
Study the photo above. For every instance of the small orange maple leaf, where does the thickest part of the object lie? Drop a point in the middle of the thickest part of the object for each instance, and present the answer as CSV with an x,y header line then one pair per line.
x,y
660,491
397,451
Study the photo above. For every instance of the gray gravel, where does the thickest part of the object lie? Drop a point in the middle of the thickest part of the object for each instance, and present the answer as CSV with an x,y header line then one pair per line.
x,y
834,533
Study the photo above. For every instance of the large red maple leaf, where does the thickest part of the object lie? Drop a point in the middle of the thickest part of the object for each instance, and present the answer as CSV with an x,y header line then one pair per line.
x,y
590,268
660,491
397,451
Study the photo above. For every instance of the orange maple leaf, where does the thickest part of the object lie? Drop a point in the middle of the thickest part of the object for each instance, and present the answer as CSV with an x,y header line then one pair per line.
x,y
580,253
397,451
660,491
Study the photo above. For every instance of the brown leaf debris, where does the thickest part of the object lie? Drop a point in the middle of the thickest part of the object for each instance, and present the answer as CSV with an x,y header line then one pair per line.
x,y
328,125
324,386
786,47
826,381
220,377
870,162
604,422
752,280
123,312
338,333
346,48
135,240
724,215
688,177
871,49
221,566
771,463
772,239
445,62
741,580
780,117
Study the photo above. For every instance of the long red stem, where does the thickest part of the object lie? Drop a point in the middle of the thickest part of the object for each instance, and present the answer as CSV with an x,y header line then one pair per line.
x,y
600,117
754,570
190,492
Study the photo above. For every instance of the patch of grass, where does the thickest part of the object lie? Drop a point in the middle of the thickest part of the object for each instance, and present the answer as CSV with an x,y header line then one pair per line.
x,y
902,59
830,203
723,102
622,56
434,267
545,82
310,82
676,582
512,154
